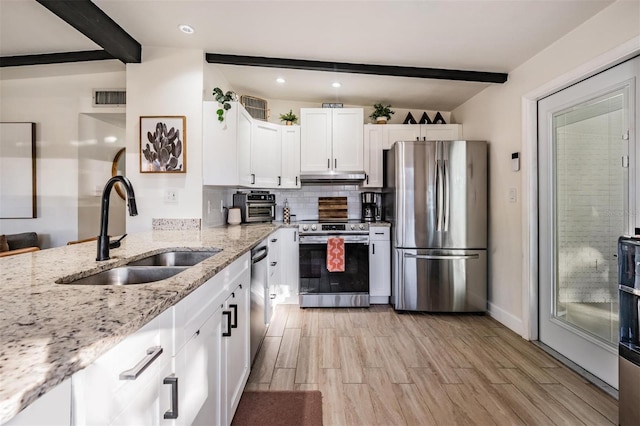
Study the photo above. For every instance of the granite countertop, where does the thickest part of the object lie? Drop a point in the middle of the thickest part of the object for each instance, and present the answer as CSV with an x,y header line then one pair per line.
x,y
49,331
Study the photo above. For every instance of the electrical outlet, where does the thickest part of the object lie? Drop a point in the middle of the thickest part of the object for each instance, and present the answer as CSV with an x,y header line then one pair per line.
x,y
171,196
513,195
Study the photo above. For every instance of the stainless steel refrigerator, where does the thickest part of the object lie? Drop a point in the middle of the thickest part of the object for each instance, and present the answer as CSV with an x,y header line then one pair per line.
x,y
435,196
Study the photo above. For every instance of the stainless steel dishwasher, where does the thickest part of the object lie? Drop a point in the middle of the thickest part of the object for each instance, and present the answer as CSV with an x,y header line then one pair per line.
x,y
259,299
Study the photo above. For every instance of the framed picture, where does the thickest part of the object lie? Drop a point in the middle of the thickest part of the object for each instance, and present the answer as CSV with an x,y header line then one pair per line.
x,y
163,144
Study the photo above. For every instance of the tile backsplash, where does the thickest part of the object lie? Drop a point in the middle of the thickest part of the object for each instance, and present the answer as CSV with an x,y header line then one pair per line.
x,y
303,202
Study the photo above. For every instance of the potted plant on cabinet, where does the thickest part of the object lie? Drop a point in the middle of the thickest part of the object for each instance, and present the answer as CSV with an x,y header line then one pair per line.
x,y
289,118
381,113
224,100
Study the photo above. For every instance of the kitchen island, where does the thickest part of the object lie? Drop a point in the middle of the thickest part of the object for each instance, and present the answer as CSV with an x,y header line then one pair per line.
x,y
49,331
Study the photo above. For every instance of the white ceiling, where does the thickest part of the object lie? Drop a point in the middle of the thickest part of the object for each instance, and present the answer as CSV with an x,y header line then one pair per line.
x,y
476,35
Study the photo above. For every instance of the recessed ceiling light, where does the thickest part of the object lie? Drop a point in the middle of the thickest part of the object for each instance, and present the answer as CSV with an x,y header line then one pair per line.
x,y
336,84
280,80
186,29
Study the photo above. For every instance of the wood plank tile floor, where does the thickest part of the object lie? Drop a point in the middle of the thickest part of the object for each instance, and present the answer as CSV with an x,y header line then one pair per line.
x,y
375,366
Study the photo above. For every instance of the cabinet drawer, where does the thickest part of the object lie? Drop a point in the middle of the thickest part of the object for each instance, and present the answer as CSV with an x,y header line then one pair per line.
x,y
194,310
379,233
99,392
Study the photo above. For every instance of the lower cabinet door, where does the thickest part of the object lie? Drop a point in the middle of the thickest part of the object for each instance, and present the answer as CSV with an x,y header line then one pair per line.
x,y
236,348
199,378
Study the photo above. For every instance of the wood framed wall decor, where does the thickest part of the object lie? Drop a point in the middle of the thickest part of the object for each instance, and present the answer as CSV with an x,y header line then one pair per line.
x,y
163,144
18,170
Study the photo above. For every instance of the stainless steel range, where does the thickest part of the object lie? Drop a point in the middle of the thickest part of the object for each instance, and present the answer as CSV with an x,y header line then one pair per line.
x,y
318,286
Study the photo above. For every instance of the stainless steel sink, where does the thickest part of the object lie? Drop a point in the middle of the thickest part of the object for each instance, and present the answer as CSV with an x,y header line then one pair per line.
x,y
175,258
127,275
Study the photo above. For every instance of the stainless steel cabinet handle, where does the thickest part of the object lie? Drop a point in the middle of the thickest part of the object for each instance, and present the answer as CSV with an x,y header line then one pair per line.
x,y
173,381
279,180
234,323
366,175
296,180
253,179
373,247
441,256
274,240
228,315
274,263
328,163
335,163
133,373
295,236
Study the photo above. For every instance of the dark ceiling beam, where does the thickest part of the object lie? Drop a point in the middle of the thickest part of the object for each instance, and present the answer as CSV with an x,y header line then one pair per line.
x,y
392,70
91,21
54,58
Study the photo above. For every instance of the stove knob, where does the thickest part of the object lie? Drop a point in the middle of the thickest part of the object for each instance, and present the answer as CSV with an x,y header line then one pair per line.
x,y
313,227
361,226
305,227
353,227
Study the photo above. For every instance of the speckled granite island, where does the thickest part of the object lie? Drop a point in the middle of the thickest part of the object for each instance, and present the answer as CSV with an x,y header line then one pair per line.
x,y
49,331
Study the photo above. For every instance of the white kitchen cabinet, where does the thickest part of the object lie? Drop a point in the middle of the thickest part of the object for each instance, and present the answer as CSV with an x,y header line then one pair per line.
x,y
331,139
379,265
287,290
290,157
265,158
373,134
236,361
51,409
412,132
125,385
225,145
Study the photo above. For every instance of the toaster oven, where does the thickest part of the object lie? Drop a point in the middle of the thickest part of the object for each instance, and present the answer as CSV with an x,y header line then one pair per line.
x,y
255,206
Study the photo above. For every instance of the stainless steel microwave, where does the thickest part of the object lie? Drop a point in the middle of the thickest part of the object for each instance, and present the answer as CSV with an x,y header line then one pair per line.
x,y
255,206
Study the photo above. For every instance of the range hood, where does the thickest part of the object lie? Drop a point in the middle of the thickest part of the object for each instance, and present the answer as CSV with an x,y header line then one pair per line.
x,y
333,177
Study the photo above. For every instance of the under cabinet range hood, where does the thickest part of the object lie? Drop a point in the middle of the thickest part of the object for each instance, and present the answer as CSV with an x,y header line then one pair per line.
x,y
333,177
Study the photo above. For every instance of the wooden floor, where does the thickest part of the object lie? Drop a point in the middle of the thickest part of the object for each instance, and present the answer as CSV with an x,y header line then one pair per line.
x,y
377,367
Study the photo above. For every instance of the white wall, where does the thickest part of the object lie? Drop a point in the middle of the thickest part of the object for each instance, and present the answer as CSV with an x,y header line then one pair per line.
x,y
495,115
101,137
53,97
167,82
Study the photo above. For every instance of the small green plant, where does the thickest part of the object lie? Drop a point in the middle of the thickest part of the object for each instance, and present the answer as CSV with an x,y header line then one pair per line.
x,y
290,116
380,110
224,99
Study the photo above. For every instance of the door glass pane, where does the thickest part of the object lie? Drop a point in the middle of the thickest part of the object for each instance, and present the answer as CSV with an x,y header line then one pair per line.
x,y
590,213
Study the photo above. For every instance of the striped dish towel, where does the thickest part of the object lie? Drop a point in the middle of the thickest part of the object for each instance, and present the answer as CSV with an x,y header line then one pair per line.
x,y
335,254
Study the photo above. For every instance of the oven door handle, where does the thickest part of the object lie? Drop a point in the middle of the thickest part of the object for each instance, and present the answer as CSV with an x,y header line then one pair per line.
x,y
442,256
348,239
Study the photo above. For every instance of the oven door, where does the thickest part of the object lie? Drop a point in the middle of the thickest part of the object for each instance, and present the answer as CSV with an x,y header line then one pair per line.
x,y
261,212
321,288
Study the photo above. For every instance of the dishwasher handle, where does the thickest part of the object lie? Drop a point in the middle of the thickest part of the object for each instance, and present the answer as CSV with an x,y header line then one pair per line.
x,y
255,257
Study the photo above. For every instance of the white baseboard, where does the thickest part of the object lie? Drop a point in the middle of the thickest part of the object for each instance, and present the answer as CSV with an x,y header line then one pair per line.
x,y
505,318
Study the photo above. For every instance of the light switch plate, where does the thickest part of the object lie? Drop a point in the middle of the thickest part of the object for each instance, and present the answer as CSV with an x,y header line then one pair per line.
x,y
513,195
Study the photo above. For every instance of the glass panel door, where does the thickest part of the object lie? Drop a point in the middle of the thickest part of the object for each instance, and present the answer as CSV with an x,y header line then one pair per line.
x,y
584,206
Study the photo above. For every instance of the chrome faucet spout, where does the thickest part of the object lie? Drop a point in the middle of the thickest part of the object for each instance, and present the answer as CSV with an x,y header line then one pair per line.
x,y
103,238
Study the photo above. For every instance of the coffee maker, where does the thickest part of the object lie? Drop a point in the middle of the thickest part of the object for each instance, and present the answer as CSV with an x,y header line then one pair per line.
x,y
371,206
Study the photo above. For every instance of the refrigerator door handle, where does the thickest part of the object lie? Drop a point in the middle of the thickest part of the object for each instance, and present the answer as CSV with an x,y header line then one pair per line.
x,y
439,196
442,256
445,183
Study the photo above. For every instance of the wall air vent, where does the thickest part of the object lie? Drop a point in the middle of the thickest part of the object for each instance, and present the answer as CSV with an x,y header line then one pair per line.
x,y
256,107
109,97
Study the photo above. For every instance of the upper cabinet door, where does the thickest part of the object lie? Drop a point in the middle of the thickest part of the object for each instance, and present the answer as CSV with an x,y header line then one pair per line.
x,y
266,151
348,142
243,143
290,157
373,134
441,132
399,132
315,139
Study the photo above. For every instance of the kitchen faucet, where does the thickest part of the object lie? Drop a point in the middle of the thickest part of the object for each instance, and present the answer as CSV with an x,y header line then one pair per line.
x,y
103,239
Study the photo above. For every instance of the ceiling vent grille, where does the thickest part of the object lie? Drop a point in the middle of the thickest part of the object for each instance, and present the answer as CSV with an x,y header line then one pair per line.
x,y
109,97
256,107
